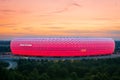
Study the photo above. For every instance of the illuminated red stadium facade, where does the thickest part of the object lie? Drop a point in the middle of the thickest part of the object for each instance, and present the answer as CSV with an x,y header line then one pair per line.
x,y
62,47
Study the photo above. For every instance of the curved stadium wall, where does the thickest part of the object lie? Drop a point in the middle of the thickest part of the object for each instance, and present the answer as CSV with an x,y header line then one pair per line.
x,y
58,47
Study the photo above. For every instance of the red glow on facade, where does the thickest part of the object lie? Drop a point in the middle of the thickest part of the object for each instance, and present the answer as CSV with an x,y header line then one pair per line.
x,y
58,47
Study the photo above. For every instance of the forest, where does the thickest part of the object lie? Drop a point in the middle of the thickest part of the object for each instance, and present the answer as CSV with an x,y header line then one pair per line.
x,y
91,69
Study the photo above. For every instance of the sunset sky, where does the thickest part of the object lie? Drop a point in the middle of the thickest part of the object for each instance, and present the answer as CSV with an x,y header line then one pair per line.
x,y
82,18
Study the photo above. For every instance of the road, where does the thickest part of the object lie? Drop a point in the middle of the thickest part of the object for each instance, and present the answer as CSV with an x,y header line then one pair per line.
x,y
11,57
12,64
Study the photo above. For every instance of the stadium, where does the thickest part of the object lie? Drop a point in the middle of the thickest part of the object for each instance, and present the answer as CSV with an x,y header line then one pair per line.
x,y
60,47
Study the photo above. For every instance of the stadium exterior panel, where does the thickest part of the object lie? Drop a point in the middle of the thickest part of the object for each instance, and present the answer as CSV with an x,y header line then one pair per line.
x,y
62,47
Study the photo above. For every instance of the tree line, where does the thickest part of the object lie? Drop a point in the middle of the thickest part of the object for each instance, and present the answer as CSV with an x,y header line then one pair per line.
x,y
94,69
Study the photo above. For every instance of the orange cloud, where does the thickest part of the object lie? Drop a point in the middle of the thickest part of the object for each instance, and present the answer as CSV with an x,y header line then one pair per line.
x,y
98,18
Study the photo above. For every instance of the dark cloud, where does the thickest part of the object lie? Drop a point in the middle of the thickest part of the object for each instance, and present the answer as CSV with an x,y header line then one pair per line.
x,y
76,4
7,25
27,28
114,32
19,33
54,28
77,32
68,7
62,10
23,35
12,11
7,10
6,37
